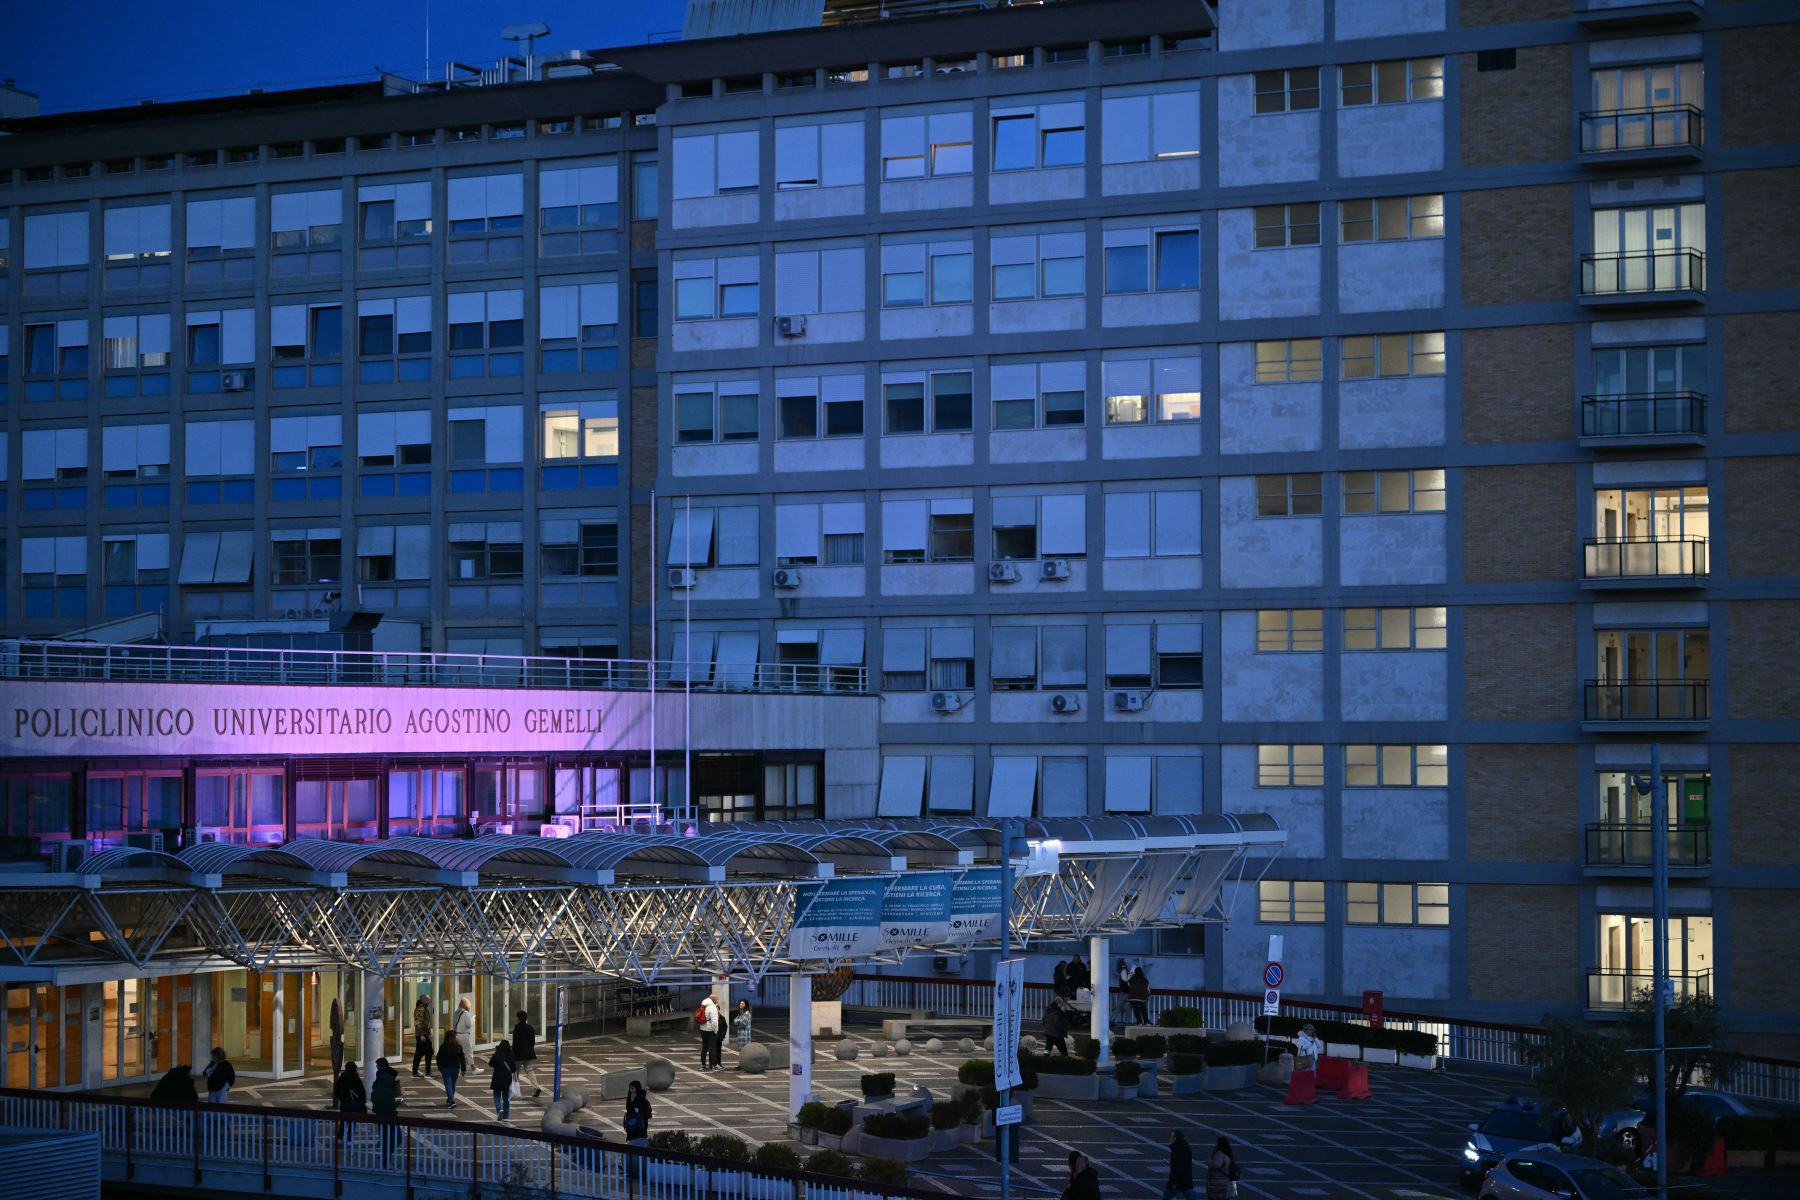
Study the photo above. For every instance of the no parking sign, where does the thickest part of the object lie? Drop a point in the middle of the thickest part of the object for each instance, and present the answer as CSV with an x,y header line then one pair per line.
x,y
1273,974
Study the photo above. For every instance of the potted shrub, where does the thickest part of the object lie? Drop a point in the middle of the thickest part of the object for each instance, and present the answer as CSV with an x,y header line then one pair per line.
x,y
878,1085
1187,1043
832,1128
1380,1046
1416,1049
976,1072
1232,1066
778,1155
1062,1078
726,1148
899,1136
664,1171
1181,1016
1086,1047
810,1119
969,1107
831,1164
1187,1074
1125,1047
946,1127
1151,1046
884,1172
1787,1140
1129,1075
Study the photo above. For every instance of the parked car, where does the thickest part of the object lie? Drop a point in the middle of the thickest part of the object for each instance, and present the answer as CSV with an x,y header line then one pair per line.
x,y
1552,1175
1515,1125
1625,1124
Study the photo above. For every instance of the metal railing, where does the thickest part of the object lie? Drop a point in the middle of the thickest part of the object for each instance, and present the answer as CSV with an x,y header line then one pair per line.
x,y
1682,700
1643,272
1612,989
1619,844
1623,130
1644,557
1647,414
297,1152
365,668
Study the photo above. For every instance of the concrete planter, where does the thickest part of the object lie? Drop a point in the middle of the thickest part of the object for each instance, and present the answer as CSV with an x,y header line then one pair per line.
x,y
904,1149
808,1137
942,1141
1374,1054
1068,1087
1106,1087
1229,1079
1746,1160
1419,1062
1148,1088
827,1141
1187,1085
1787,1158
1345,1050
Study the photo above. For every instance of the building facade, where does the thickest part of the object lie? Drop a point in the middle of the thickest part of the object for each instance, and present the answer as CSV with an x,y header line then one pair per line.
x,y
1352,411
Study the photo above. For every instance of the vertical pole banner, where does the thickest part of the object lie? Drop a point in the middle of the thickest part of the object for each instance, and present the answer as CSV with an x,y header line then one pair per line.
x,y
837,918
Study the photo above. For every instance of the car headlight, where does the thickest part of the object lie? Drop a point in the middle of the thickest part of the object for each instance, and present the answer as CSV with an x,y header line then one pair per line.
x,y
1470,1153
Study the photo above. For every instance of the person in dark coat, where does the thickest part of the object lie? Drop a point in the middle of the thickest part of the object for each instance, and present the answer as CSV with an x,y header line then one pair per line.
x,y
1181,1168
1056,1026
384,1102
337,1038
1078,972
220,1075
1138,992
637,1114
524,1048
1059,981
1084,1181
177,1086
422,1034
348,1092
450,1063
1221,1171
501,1080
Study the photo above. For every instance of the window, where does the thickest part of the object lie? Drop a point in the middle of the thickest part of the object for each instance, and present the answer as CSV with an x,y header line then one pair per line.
x,y
935,783
811,281
1047,134
487,333
243,807
394,223
1394,629
578,326
710,288
1288,495
580,547
1279,225
1644,371
306,556
1391,355
134,570
919,660
1396,766
1165,782
1152,260
645,188
425,801
487,215
1650,673
1393,218
386,441
920,273
724,412
1292,90
1647,249
1290,902
1145,127
220,462
1296,360
576,426
481,438
132,802
1140,390
1644,105
394,340
933,144
57,351
818,155
1397,904
1029,527
221,240
951,407
136,244
1290,631
1029,657
218,340
482,550
1394,491
1393,82
306,229
54,572
306,342
714,537
916,531
715,164
55,469
1144,524
133,350
1156,654
829,534
300,450
134,463
56,253
831,406
1029,266
578,210
1039,395
1290,766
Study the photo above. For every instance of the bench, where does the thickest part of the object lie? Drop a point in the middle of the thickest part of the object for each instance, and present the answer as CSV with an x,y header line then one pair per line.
x,y
646,1026
895,1029
878,1012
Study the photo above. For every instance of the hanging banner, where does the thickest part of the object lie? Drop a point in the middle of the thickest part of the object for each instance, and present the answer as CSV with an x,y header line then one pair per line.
x,y
916,911
975,906
837,918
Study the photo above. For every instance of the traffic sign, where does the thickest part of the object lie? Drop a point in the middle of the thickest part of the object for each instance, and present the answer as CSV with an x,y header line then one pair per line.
x,y
1272,1002
1009,1114
1273,975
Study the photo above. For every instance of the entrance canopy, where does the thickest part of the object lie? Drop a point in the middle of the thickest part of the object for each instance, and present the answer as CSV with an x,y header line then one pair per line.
x,y
730,899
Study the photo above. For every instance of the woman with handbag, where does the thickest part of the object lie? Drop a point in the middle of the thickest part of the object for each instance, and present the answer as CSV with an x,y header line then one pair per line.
x,y
637,1114
1222,1172
501,1082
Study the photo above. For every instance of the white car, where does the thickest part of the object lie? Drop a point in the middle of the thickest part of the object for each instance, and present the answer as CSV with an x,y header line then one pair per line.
x,y
1535,1175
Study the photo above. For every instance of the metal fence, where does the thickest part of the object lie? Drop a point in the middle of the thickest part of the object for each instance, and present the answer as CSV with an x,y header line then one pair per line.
x,y
290,1152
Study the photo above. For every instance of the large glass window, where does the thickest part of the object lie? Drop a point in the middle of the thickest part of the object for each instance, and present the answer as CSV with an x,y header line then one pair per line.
x,y
132,802
240,805
341,810
425,801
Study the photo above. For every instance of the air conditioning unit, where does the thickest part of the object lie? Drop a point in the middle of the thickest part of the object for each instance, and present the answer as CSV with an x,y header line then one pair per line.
x,y
1129,700
786,577
681,577
1003,572
793,326
235,381
948,702
949,964
152,840
1065,702
66,856
1056,568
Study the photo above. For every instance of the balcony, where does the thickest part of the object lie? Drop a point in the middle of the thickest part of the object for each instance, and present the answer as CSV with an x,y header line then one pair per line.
x,y
1673,707
1649,562
1615,847
1658,278
1611,990
1639,136
1615,15
1645,419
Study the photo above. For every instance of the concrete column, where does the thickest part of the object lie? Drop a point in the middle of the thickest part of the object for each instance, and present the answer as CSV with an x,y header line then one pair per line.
x,y
200,1037
93,1034
1100,1020
800,1034
372,1013
277,1013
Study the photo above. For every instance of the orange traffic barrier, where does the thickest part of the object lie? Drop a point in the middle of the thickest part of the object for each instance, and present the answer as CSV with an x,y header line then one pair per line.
x,y
1356,1082
1332,1072
1301,1089
1714,1163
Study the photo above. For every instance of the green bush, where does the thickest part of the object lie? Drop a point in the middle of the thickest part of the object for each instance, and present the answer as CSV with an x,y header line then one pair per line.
x,y
1188,1043
1354,1033
779,1155
969,1108
1128,1072
1180,1016
1125,1047
837,1121
1787,1131
945,1115
672,1139
1059,1065
832,1164
1086,1047
976,1072
886,1172
1748,1133
812,1114
1186,1064
1692,1129
1152,1045
723,1146
1233,1054
1028,1073
898,1126
878,1083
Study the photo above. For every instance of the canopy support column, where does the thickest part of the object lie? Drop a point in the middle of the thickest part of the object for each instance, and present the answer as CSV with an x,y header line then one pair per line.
x,y
1100,1020
800,1035
373,1009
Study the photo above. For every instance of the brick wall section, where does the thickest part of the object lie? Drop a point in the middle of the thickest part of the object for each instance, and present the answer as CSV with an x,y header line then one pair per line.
x,y
1504,395
1762,515
1519,663
643,237
1516,244
1765,646
1521,115
643,562
643,354
1762,360
1762,951
1760,248
1524,944
1756,70
1520,803
643,436
1519,522
1760,829
1507,12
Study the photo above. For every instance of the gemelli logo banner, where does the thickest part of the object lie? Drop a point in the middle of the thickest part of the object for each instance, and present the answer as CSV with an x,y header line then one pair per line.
x,y
916,911
838,917
975,906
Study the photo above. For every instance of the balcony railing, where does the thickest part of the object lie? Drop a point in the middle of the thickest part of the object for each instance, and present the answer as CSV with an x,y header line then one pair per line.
x,y
1615,844
1623,131
1644,558
1613,989
1648,414
230,664
1685,700
1629,273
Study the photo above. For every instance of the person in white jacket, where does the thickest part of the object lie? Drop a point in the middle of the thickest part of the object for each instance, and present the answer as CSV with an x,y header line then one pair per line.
x,y
1307,1049
463,1025
712,1034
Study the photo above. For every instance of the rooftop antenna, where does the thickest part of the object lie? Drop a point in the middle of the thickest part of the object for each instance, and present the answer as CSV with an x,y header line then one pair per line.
x,y
528,33
427,74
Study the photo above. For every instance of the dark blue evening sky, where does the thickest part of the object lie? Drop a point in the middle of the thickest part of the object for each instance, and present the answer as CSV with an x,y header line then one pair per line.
x,y
97,53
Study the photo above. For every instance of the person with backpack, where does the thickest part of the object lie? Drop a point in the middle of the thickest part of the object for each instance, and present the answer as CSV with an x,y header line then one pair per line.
x,y
637,1114
384,1101
1222,1172
711,1029
220,1075
1181,1168
450,1061
501,1081
422,1035
347,1093
524,1052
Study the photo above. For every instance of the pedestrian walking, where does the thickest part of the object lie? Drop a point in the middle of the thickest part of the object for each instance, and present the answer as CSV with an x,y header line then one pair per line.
x,y
637,1114
348,1093
337,1036
740,1024
1307,1049
1078,973
450,1063
384,1102
1056,1026
176,1087
1084,1181
423,1034
1221,1172
1137,990
524,1052
220,1075
501,1081
1181,1168
711,1032
463,1023
1059,980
